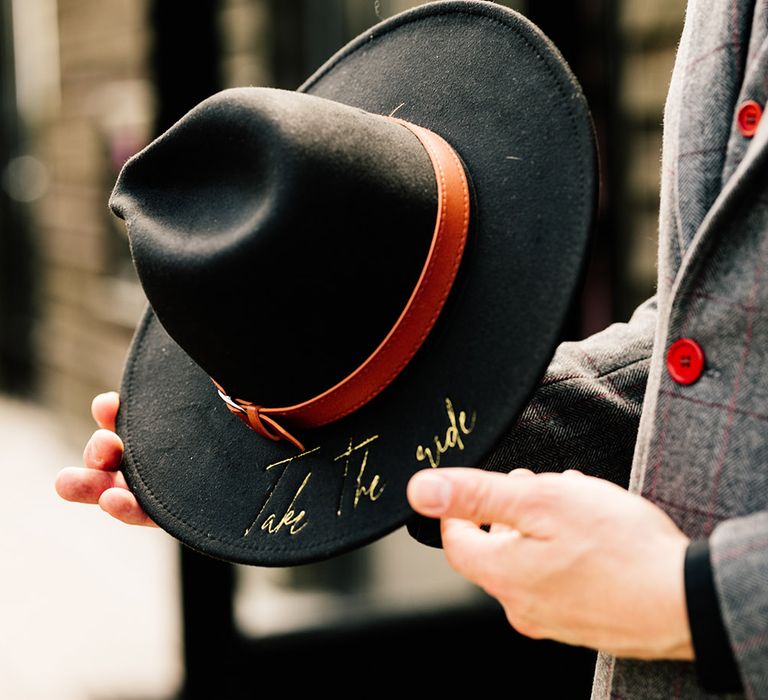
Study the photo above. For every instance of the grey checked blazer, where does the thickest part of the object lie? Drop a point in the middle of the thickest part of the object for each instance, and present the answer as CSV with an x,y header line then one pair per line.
x,y
608,406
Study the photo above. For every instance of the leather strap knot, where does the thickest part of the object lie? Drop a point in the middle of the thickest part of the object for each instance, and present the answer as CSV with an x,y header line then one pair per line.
x,y
253,416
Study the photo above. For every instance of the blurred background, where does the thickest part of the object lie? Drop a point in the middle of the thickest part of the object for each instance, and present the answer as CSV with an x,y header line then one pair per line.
x,y
93,609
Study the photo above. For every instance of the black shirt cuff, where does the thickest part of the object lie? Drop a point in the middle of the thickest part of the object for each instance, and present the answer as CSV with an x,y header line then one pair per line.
x,y
715,662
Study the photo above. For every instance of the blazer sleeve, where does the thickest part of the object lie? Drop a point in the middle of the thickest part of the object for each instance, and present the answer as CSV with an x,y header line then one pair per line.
x,y
739,559
586,410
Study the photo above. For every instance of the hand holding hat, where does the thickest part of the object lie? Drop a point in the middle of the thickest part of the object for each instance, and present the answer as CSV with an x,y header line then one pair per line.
x,y
525,567
100,481
570,557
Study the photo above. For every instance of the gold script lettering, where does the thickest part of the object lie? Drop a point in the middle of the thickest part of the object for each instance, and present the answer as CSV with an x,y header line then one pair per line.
x,y
457,427
290,518
269,522
291,459
361,490
370,490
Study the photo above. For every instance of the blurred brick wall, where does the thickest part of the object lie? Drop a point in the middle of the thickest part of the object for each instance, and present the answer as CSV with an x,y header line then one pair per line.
x,y
246,43
89,296
89,301
649,33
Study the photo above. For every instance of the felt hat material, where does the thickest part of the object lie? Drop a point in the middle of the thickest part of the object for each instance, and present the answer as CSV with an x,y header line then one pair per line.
x,y
279,235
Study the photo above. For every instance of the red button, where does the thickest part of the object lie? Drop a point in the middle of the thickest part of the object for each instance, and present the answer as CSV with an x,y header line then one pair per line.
x,y
748,118
685,361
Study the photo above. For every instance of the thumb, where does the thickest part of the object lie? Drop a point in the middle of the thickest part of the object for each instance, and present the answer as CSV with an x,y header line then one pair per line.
x,y
471,494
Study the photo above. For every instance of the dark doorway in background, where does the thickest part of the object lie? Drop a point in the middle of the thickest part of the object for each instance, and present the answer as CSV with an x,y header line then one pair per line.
x,y
17,254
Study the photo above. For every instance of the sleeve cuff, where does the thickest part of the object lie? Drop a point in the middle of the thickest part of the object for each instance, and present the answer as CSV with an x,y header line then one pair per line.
x,y
715,662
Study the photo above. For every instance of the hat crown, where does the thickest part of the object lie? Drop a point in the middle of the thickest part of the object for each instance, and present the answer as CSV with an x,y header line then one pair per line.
x,y
278,236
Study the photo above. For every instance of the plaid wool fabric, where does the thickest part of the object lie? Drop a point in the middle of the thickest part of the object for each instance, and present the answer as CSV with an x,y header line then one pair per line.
x,y
608,406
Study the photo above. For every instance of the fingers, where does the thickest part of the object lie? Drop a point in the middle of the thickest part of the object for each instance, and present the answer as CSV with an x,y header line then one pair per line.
x,y
471,494
104,409
103,451
503,527
83,485
107,488
100,481
481,557
122,504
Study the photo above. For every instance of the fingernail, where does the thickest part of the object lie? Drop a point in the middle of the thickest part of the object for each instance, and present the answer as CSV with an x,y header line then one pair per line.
x,y
431,492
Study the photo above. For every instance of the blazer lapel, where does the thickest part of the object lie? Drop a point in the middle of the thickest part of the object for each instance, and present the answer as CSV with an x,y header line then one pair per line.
x,y
726,207
712,76
746,159
753,87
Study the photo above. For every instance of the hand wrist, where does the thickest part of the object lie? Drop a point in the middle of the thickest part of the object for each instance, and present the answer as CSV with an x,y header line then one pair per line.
x,y
657,628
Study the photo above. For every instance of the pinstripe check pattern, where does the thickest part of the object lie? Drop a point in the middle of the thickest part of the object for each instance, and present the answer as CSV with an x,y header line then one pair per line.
x,y
607,405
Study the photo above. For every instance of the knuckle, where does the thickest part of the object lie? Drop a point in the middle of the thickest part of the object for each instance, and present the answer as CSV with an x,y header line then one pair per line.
x,y
458,564
454,554
513,617
545,496
103,435
496,589
521,622
475,495
531,630
90,455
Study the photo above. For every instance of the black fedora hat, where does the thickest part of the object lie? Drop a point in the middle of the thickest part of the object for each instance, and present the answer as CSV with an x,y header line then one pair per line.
x,y
370,273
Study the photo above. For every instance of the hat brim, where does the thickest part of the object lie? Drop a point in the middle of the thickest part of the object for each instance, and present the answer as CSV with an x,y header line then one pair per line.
x,y
495,88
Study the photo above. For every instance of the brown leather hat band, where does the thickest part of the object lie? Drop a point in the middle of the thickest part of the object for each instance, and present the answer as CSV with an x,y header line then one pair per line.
x,y
410,330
